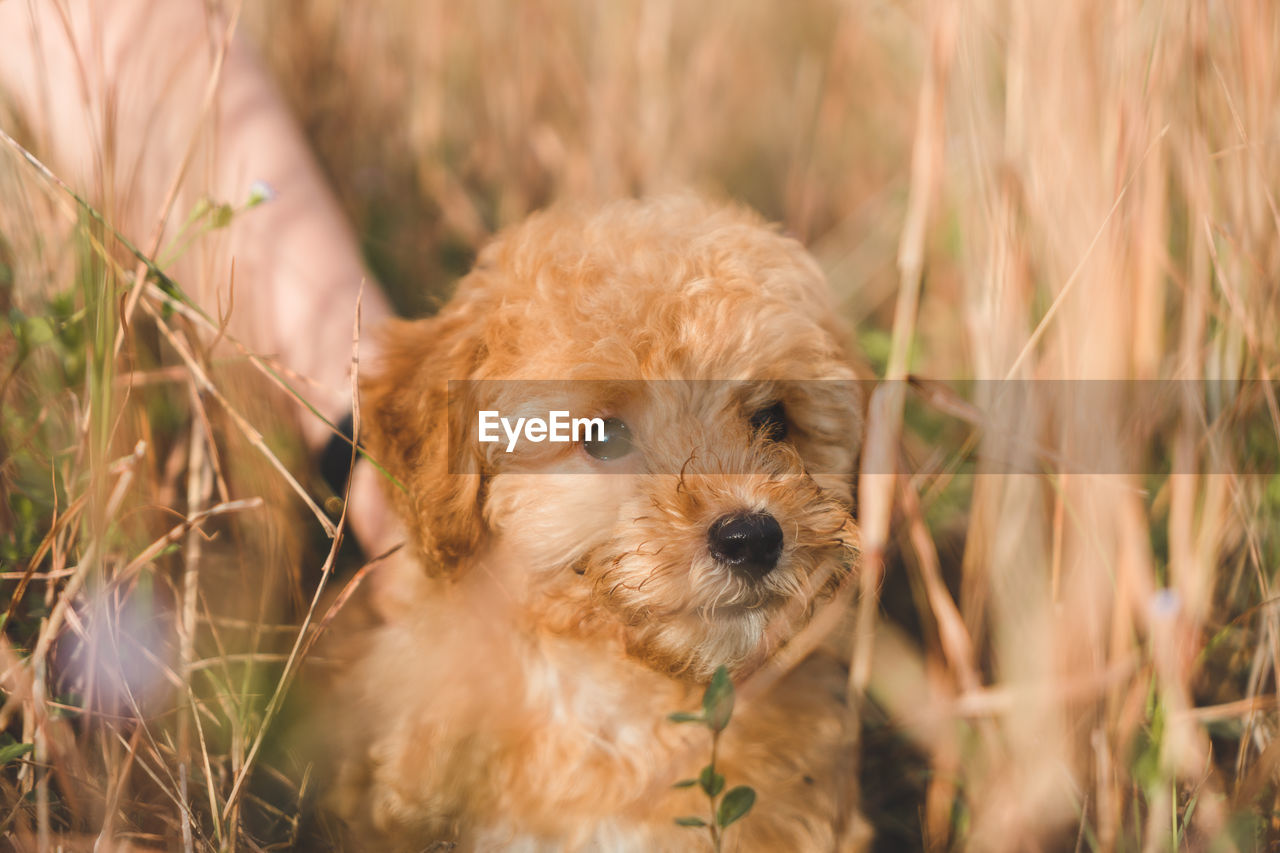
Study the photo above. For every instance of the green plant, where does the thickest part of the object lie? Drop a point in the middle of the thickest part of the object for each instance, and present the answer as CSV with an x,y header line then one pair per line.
x,y
726,808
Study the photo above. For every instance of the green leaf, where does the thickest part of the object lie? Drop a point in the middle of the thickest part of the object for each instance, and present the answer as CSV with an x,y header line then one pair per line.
x,y
685,717
735,805
14,751
222,216
711,781
685,783
29,332
717,701
690,821
37,330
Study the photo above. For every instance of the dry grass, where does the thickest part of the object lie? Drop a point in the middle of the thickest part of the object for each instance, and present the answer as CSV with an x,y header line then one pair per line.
x,y
1072,190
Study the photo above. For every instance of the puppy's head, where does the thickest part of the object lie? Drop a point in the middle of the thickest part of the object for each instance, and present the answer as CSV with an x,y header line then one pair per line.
x,y
714,509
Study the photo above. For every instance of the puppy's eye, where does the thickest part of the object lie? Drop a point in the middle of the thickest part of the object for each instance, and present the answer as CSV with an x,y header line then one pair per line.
x,y
614,443
770,423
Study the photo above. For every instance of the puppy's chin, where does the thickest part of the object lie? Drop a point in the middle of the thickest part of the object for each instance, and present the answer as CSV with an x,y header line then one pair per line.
x,y
723,619
691,647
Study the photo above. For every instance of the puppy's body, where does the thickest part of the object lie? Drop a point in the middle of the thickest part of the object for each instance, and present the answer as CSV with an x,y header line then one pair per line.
x,y
572,602
500,739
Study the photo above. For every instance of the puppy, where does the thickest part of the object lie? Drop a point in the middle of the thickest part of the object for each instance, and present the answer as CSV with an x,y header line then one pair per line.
x,y
577,593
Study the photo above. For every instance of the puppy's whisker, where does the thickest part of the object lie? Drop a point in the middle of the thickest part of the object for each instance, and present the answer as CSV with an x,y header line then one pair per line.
x,y
680,485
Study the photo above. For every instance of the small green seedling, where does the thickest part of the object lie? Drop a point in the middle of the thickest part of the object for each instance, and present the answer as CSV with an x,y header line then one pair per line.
x,y
12,751
717,709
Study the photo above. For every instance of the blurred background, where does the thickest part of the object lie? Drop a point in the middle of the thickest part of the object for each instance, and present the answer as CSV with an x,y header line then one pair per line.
x,y
996,189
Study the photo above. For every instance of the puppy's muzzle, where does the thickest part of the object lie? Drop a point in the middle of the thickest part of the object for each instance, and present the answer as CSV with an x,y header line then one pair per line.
x,y
749,543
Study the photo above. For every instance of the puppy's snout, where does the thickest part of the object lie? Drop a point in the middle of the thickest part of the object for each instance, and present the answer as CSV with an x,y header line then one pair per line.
x,y
749,543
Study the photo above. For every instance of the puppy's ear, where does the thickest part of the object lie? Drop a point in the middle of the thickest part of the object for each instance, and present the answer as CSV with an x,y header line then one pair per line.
x,y
407,410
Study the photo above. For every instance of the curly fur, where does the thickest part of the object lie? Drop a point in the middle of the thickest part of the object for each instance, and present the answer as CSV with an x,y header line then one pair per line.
x,y
571,603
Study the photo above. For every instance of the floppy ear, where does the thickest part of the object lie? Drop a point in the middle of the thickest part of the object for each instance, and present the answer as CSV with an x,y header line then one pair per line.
x,y
409,418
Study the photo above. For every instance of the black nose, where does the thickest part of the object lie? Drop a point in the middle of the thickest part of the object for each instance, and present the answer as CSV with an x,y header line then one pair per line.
x,y
750,543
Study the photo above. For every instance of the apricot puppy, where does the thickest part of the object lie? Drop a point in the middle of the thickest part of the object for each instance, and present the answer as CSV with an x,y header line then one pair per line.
x,y
578,592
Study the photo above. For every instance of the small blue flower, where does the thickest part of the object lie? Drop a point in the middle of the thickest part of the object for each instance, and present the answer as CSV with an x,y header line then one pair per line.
x,y
1165,603
259,192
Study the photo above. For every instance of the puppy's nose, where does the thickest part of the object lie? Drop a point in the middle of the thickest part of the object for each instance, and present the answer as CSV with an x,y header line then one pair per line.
x,y
748,542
